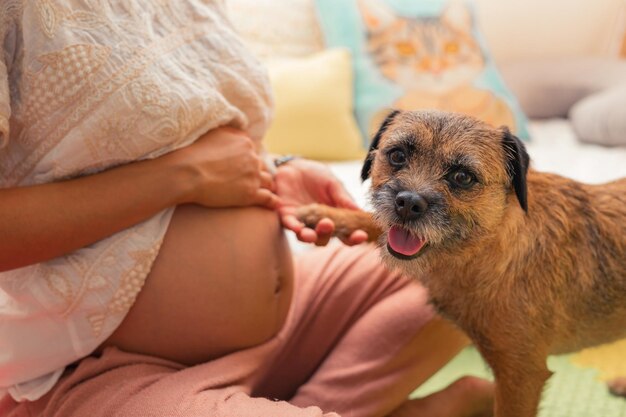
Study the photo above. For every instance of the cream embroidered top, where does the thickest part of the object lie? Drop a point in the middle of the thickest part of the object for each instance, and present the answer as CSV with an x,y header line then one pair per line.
x,y
86,85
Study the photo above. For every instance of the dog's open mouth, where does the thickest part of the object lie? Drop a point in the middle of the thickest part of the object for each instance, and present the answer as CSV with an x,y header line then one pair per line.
x,y
403,244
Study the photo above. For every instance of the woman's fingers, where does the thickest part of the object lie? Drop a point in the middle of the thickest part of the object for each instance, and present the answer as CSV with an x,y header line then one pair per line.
x,y
307,235
291,222
267,181
265,195
303,233
324,230
356,238
266,198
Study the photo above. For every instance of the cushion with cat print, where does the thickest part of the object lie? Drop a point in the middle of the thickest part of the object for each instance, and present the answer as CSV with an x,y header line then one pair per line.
x,y
412,55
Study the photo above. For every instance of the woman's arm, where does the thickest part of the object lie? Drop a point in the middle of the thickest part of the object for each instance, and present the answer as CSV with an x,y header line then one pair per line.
x,y
42,222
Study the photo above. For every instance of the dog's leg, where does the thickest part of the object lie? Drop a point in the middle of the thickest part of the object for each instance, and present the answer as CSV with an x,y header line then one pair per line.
x,y
617,386
346,221
520,379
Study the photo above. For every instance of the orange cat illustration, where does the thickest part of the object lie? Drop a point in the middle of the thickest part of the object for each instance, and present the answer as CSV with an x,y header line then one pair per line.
x,y
434,60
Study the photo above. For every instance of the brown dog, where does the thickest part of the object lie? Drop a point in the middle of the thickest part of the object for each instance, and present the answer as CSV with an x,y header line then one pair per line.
x,y
526,263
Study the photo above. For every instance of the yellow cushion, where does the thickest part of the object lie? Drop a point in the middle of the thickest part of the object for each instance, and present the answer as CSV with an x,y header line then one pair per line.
x,y
314,108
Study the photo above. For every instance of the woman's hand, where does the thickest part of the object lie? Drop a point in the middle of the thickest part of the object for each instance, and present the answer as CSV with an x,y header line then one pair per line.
x,y
302,182
220,169
226,171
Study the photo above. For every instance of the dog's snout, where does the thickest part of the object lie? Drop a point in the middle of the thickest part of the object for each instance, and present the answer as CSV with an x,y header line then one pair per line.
x,y
410,205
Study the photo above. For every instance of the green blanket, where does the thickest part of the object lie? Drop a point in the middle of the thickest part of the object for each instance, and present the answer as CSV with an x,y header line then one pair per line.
x,y
573,390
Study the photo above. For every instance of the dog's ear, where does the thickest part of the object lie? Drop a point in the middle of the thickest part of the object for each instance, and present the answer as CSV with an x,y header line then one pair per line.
x,y
369,160
517,161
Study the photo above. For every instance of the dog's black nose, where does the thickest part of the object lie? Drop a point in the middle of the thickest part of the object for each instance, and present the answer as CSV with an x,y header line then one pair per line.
x,y
409,205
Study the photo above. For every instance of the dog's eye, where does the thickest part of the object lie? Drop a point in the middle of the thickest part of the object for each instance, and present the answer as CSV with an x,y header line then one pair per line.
x,y
462,178
397,158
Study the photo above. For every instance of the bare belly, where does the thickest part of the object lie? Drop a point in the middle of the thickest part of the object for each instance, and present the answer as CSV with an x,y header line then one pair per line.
x,y
222,282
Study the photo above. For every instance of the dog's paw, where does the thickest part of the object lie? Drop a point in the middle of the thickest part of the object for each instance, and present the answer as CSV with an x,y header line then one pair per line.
x,y
617,387
311,214
346,222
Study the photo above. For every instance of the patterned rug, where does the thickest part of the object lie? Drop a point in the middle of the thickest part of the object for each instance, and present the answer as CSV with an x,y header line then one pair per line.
x,y
576,389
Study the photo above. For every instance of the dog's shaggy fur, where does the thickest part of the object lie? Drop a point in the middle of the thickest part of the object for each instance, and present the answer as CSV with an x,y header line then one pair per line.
x,y
526,263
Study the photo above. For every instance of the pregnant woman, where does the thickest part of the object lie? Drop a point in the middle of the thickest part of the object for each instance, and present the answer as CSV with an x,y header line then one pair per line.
x,y
145,270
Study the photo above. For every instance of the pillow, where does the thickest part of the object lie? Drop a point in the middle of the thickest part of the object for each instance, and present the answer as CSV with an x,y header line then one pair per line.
x,y
601,117
411,54
549,88
313,108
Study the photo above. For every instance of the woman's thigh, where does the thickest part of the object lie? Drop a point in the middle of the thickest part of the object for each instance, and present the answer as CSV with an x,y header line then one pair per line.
x,y
336,287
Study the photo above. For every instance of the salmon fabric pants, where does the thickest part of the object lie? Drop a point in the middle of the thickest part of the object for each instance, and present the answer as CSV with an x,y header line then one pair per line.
x,y
358,339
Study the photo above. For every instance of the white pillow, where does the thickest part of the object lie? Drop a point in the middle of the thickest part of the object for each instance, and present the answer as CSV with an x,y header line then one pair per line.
x,y
549,88
601,117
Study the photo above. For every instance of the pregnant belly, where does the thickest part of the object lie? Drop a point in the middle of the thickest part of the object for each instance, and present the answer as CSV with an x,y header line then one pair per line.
x,y
222,282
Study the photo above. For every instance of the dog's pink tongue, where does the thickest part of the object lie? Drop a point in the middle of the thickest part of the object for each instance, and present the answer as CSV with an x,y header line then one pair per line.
x,y
403,242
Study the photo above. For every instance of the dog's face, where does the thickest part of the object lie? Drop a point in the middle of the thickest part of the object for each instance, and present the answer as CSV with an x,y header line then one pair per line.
x,y
441,182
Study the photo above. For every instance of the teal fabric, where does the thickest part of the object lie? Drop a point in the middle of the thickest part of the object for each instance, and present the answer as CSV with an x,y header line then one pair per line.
x,y
342,26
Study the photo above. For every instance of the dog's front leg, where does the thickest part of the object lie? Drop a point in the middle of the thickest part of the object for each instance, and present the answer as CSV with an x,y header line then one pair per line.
x,y
519,384
346,221
617,386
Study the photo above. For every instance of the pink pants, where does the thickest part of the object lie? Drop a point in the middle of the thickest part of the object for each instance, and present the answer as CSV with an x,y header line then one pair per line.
x,y
357,341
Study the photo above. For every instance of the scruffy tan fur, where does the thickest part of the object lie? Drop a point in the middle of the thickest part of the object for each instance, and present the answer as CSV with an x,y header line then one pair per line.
x,y
522,284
